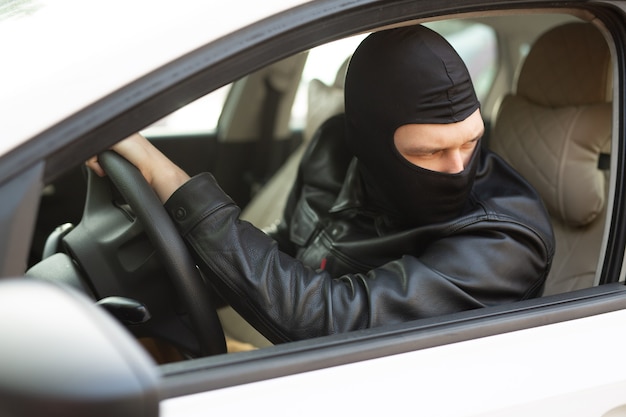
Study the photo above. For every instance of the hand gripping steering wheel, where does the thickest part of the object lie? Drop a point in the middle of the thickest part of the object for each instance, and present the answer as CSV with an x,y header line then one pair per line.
x,y
170,247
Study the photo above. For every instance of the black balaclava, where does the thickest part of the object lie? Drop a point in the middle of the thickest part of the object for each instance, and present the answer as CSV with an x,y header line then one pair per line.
x,y
404,76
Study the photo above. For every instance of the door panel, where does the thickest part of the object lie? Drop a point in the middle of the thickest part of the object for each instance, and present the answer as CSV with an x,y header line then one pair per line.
x,y
540,371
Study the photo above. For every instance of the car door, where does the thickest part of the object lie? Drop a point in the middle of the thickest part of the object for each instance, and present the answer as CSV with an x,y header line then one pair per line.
x,y
516,364
554,355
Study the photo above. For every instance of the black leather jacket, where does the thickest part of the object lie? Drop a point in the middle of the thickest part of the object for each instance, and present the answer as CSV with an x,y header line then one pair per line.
x,y
334,266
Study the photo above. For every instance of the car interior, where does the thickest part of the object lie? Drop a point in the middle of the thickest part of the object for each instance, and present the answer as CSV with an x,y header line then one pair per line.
x,y
545,85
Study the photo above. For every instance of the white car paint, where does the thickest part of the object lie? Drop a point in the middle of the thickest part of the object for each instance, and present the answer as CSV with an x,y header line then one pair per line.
x,y
534,372
67,53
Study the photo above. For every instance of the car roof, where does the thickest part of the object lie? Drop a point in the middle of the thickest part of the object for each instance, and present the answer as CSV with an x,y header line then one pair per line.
x,y
59,56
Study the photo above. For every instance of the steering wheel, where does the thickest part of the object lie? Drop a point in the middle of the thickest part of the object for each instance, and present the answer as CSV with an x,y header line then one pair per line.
x,y
185,277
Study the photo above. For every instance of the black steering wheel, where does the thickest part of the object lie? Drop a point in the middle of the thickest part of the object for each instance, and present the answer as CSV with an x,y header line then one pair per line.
x,y
108,266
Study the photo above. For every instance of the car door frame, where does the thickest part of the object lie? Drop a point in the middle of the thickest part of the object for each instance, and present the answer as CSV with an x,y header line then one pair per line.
x,y
279,361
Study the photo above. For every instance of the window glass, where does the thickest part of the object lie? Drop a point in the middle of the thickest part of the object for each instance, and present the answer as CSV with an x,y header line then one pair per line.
x,y
477,44
323,63
199,116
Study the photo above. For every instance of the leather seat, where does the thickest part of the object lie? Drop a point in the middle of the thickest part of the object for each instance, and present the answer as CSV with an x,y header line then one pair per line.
x,y
263,100
324,101
556,131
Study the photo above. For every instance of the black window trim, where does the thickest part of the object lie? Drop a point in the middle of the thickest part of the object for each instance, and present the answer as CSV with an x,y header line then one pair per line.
x,y
185,378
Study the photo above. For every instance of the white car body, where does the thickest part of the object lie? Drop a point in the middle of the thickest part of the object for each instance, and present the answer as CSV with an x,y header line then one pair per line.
x,y
536,372
67,67
82,43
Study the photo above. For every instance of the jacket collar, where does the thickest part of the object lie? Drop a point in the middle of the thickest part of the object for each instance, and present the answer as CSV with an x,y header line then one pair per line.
x,y
351,195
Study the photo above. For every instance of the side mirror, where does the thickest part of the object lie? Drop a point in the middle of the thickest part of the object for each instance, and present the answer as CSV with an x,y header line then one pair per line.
x,y
61,355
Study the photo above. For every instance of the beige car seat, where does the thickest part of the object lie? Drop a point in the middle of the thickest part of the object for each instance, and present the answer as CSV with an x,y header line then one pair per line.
x,y
256,112
556,130
324,101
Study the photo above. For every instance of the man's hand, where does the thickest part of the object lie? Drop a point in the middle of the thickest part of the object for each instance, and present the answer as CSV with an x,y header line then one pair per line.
x,y
163,175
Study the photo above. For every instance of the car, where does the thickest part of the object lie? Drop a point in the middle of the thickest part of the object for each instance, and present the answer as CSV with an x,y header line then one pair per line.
x,y
95,317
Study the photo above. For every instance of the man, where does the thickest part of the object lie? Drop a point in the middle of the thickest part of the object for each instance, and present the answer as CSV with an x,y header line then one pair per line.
x,y
396,214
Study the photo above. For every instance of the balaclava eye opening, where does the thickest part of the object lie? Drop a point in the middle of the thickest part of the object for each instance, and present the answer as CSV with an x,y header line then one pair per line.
x,y
404,76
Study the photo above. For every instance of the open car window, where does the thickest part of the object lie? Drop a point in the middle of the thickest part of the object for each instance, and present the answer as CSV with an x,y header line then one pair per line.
x,y
316,85
475,42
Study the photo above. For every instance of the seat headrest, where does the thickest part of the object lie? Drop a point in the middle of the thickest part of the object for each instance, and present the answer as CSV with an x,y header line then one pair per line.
x,y
567,66
559,122
325,101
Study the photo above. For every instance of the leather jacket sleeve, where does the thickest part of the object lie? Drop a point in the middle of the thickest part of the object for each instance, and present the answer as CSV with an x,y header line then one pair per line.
x,y
286,300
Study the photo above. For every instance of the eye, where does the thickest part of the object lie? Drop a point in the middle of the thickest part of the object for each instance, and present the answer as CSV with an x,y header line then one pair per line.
x,y
470,145
427,154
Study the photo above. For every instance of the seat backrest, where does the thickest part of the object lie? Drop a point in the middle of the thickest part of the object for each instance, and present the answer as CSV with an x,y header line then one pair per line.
x,y
555,130
255,117
324,101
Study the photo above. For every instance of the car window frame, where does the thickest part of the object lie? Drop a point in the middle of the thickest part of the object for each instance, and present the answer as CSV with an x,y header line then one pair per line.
x,y
214,373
